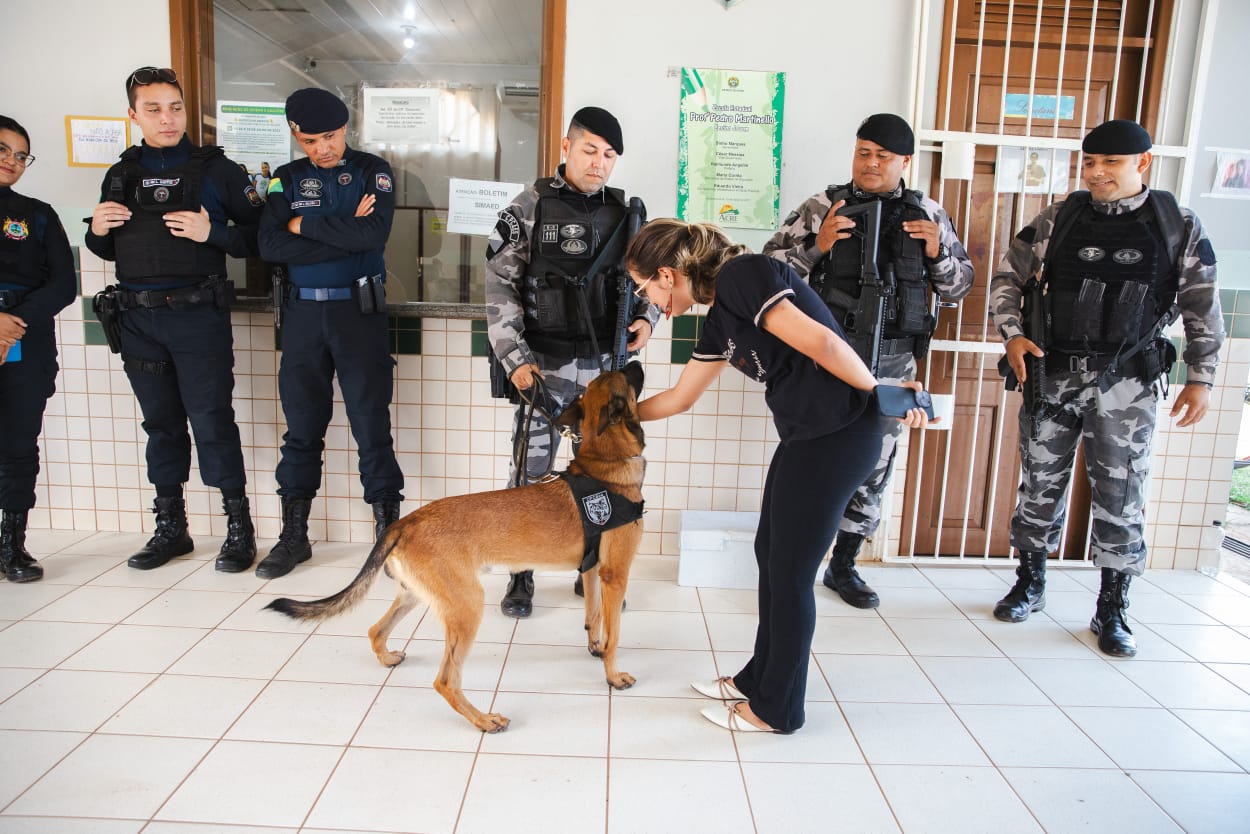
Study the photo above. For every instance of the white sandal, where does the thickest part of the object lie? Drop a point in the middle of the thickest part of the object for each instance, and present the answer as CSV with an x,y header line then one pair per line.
x,y
722,689
731,720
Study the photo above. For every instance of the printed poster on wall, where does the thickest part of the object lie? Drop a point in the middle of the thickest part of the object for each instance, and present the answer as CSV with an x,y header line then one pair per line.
x,y
473,206
252,132
729,147
400,115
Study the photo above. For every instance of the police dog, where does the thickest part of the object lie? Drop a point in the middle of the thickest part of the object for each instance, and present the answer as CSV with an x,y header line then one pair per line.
x,y
435,552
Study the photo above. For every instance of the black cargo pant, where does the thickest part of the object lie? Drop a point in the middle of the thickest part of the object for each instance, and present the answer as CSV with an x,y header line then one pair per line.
x,y
25,387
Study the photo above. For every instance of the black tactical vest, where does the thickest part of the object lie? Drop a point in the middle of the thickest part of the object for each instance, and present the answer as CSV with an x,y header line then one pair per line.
x,y
1108,282
146,252
21,254
907,313
570,230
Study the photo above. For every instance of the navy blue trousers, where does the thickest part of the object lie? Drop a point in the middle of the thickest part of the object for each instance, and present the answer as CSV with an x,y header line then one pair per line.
x,y
25,387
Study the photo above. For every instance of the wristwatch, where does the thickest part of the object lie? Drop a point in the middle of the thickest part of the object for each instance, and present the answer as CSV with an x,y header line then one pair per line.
x,y
944,252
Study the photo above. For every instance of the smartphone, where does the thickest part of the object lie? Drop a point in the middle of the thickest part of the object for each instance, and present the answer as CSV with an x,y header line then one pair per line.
x,y
896,401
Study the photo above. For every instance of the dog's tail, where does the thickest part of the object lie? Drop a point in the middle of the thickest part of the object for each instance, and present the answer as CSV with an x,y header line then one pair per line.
x,y
346,599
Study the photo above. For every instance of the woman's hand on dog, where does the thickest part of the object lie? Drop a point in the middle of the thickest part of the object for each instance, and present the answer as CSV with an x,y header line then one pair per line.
x,y
523,376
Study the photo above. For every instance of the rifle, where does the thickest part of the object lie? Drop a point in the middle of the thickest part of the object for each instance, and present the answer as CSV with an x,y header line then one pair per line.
x,y
277,276
1035,366
625,309
865,313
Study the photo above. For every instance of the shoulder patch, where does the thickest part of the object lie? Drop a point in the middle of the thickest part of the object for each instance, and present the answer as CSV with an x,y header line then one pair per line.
x,y
384,182
252,196
509,227
275,186
1206,255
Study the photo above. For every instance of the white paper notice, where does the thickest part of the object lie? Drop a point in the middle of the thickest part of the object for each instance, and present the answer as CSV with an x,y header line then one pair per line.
x,y
473,206
401,115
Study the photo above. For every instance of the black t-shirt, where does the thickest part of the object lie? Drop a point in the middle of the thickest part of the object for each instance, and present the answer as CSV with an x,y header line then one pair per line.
x,y
806,400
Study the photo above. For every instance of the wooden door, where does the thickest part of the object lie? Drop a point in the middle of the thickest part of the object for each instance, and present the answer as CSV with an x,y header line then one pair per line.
x,y
1050,66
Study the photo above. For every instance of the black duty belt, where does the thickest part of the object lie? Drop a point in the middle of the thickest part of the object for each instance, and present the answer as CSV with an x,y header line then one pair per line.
x,y
893,347
205,292
555,346
1097,362
11,298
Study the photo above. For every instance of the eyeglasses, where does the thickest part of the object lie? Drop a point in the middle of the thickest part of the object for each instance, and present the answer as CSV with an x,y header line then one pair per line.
x,y
23,159
640,291
151,75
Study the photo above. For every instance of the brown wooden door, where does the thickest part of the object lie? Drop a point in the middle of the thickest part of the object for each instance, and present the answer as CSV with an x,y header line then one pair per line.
x,y
981,482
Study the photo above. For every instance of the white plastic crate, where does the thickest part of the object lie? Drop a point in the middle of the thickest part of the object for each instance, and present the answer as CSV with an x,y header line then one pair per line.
x,y
718,549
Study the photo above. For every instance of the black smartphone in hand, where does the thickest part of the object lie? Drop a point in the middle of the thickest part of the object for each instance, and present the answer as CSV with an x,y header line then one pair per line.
x,y
897,400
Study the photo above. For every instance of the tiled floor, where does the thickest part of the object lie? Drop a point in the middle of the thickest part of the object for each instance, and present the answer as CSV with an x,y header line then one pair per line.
x,y
167,702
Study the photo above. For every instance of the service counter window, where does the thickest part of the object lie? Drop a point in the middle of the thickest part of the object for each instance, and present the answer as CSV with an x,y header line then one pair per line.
x,y
442,91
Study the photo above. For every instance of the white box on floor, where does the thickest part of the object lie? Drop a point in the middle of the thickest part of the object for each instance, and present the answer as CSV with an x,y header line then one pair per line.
x,y
718,549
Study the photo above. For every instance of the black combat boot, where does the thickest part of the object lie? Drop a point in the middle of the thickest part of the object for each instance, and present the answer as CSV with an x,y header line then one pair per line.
x,y
293,546
385,513
519,600
16,564
842,577
1114,636
1029,592
171,537
238,551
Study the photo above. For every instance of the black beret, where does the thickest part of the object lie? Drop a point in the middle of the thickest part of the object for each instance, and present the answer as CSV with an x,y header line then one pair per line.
x,y
313,110
890,132
601,123
1117,136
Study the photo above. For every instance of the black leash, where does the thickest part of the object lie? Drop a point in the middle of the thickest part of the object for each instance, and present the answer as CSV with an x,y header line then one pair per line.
x,y
530,401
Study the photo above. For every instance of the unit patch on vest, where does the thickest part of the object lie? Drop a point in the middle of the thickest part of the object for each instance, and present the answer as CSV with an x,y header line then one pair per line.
x,y
600,510
148,183
384,183
1090,254
1127,256
572,230
310,187
299,204
574,247
345,178
160,194
252,196
16,229
551,232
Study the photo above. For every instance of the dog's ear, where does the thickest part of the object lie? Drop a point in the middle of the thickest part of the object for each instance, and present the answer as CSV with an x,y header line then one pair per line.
x,y
634,376
572,415
612,412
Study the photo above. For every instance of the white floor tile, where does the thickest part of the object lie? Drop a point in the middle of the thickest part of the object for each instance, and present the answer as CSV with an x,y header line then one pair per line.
x,y
1035,637
68,568
660,673
974,603
189,707
667,728
419,719
947,578
121,545
1185,582
877,678
43,543
854,635
731,663
1228,731
1185,685
943,638
18,601
1165,608
650,630
1071,606
1238,673
1150,644
947,799
91,604
481,669
880,575
305,713
166,576
65,700
574,792
254,783
31,643
566,669
61,825
113,776
1209,644
659,595
1148,739
358,621
981,680
1088,800
1030,737
26,755
12,680
207,578
544,724
188,609
662,797
496,628
331,659
209,828
1202,803
923,603
239,654
394,790
732,601
912,734
1084,683
127,648
311,580
825,737
1224,608
832,794
252,616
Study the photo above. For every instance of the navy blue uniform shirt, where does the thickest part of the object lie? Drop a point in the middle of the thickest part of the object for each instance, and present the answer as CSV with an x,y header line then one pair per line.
x,y
806,400
38,259
334,247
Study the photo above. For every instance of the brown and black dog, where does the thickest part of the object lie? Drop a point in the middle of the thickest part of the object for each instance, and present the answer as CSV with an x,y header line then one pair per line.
x,y
435,553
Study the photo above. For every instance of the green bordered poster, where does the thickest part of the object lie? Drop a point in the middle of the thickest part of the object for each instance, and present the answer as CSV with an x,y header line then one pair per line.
x,y
729,147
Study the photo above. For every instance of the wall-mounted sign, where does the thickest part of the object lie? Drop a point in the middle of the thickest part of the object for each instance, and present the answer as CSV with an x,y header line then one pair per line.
x,y
473,206
729,147
95,141
400,116
254,132
1016,106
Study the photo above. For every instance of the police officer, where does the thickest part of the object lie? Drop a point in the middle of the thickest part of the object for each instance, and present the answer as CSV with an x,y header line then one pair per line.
x,y
1113,262
537,260
918,244
327,217
165,217
37,281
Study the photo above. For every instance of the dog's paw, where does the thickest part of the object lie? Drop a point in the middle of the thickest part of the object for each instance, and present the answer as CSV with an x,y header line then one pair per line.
x,y
622,680
595,648
492,722
391,658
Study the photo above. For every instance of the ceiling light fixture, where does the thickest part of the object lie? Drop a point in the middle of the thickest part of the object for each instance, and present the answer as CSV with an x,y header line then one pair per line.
x,y
410,13
409,40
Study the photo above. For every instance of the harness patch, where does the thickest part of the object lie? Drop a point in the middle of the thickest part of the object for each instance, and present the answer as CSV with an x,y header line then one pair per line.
x,y
601,510
16,229
597,507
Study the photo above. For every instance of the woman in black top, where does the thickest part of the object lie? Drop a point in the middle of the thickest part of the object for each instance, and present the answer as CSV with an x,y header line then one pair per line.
x,y
37,281
766,322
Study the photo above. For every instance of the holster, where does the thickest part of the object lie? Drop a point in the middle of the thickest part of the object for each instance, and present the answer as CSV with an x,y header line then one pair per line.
x,y
371,294
107,309
277,279
501,387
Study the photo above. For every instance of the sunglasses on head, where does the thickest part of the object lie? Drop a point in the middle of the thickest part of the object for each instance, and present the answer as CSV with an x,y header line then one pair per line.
x,y
151,75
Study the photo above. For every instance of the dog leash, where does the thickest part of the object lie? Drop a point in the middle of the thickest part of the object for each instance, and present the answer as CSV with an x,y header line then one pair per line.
x,y
520,449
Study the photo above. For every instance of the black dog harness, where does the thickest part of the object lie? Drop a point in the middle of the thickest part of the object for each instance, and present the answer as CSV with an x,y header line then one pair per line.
x,y
600,510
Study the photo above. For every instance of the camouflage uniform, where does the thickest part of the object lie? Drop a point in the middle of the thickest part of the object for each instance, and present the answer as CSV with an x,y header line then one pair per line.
x,y
951,277
1111,413
509,292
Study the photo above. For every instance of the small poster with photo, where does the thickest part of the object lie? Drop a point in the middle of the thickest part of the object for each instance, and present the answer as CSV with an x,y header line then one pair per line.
x,y
1032,171
1232,175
